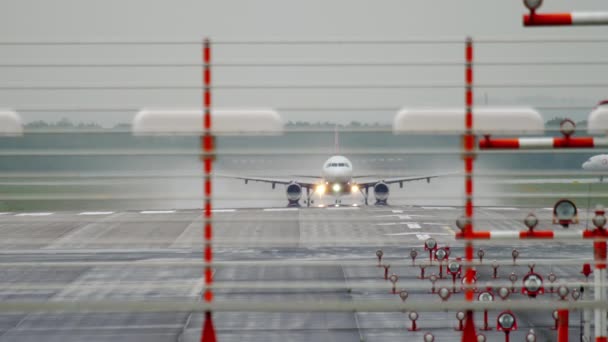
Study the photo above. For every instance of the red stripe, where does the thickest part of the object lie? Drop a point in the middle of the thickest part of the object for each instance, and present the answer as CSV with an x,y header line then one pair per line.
x,y
208,232
207,76
469,97
550,19
208,187
499,143
208,209
469,52
541,234
469,76
582,142
208,164
208,254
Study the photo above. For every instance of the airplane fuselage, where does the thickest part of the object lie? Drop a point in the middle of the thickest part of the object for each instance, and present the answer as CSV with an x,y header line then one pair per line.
x,y
337,176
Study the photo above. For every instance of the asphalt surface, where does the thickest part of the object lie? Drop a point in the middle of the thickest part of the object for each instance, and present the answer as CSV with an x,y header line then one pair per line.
x,y
58,256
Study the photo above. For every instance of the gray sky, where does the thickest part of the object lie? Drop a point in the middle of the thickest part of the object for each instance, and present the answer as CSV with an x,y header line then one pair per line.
x,y
84,20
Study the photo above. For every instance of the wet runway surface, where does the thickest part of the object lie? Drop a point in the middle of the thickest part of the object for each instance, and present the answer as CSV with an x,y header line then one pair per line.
x,y
155,256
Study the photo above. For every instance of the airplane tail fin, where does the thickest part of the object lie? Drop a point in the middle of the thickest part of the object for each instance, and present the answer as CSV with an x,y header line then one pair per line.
x,y
336,140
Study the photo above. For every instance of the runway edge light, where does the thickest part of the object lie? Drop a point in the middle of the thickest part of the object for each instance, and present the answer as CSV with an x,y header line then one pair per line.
x,y
488,120
10,123
252,121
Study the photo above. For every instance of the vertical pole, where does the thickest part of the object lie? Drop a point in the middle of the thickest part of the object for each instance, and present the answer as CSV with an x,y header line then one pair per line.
x,y
469,334
562,326
208,149
599,279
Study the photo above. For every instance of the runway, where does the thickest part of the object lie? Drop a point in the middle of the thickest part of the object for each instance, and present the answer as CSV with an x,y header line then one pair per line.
x,y
155,255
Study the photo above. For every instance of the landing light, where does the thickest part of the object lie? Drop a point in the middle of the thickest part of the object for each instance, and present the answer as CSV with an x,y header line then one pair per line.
x,y
354,188
320,189
336,187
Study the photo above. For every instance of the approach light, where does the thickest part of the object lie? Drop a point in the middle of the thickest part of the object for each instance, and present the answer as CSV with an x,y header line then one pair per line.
x,y
565,213
336,187
531,221
320,189
533,5
506,322
567,127
354,188
532,285
599,221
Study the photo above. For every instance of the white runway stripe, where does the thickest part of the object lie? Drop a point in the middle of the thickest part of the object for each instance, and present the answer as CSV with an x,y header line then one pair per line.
x,y
281,209
223,210
343,208
413,225
423,236
417,234
397,211
94,213
34,214
503,208
438,208
4,214
157,212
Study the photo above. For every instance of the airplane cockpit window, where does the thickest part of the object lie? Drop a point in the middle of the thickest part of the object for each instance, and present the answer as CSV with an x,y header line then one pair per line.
x,y
341,164
334,165
346,164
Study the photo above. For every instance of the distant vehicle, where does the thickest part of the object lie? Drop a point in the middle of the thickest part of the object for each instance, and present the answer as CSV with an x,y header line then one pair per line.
x,y
597,163
336,180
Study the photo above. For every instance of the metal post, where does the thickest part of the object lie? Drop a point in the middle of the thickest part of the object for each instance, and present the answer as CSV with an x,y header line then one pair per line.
x,y
469,333
562,326
599,288
208,147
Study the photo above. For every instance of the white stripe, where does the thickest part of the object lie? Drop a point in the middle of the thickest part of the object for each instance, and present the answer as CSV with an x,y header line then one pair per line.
x,y
343,208
589,18
34,214
4,214
387,224
157,212
600,142
422,236
223,210
509,234
502,208
413,225
525,143
93,213
397,211
438,208
280,209
417,234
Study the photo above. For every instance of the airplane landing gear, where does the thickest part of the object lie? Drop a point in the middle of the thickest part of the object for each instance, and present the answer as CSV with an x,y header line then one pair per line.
x,y
365,195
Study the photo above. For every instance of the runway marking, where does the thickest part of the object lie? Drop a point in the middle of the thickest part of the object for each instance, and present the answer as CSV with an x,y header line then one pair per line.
x,y
438,208
397,211
387,224
547,209
4,214
93,213
423,236
413,225
343,208
223,210
417,234
280,209
434,223
34,214
502,208
157,212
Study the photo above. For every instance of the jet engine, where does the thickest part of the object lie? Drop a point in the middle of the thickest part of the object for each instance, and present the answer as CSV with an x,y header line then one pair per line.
x,y
381,192
294,193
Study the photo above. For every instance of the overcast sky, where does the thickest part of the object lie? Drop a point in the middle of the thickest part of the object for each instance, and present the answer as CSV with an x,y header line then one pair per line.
x,y
149,20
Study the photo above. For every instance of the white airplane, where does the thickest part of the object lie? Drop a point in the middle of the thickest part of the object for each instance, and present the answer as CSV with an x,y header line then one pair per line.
x,y
337,179
597,163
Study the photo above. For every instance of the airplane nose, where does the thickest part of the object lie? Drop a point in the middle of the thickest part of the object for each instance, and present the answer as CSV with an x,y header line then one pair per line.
x,y
585,165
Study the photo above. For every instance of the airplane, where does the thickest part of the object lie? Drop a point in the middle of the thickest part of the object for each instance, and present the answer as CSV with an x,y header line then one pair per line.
x,y
337,179
597,163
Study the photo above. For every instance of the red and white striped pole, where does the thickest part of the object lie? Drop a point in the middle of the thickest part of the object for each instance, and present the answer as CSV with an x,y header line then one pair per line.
x,y
208,149
599,279
566,19
469,334
488,143
533,235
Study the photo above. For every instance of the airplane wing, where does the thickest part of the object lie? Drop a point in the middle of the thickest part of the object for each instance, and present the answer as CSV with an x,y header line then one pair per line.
x,y
305,184
397,180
